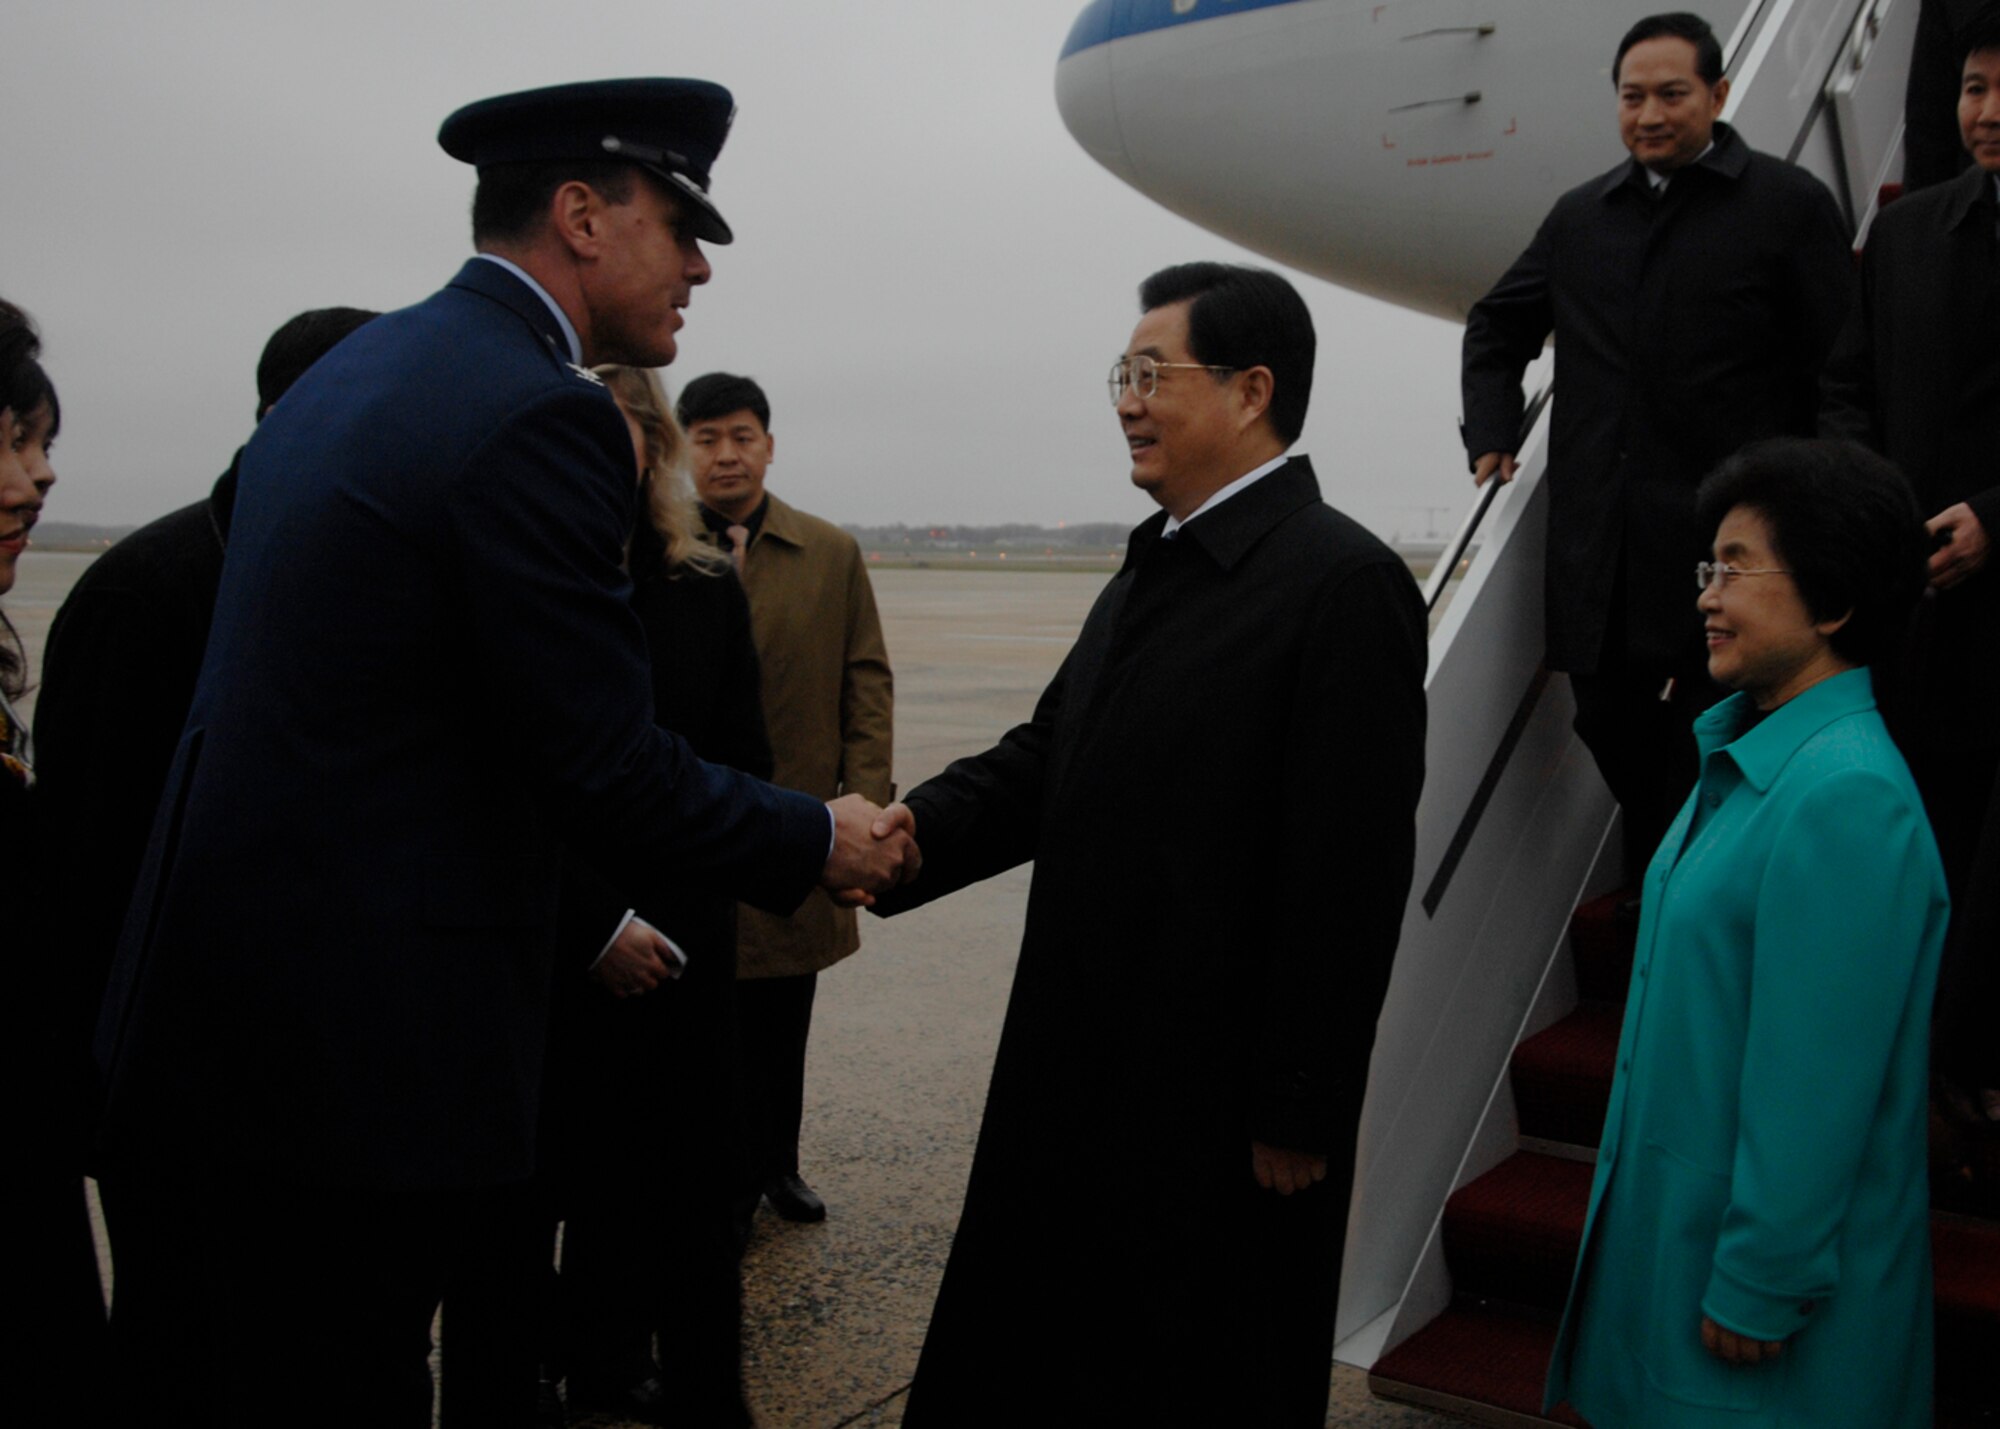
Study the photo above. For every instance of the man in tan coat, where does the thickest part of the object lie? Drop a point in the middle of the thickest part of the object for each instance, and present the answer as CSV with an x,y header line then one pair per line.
x,y
827,699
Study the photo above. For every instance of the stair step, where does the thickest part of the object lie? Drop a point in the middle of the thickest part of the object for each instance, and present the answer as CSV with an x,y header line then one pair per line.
x,y
1562,1075
1601,940
1512,1234
1965,1263
1480,1364
1510,1237
1485,1362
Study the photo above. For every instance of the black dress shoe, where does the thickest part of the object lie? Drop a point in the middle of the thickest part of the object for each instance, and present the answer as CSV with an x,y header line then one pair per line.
x,y
645,1401
794,1199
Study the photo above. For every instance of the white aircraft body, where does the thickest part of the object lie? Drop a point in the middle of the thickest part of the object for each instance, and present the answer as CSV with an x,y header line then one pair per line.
x,y
1407,149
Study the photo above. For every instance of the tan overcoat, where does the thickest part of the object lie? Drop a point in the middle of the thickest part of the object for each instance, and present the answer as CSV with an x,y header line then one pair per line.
x,y
827,702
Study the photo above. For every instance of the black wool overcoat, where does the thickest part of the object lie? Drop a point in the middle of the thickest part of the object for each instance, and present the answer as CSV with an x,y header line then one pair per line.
x,y
1916,376
118,675
1685,326
1218,792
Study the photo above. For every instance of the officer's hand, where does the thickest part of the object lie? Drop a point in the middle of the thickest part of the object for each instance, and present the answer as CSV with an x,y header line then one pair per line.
x,y
865,862
635,963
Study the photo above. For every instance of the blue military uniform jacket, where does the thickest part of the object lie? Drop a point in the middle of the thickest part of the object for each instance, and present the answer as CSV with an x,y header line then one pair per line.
x,y
423,682
1763,1153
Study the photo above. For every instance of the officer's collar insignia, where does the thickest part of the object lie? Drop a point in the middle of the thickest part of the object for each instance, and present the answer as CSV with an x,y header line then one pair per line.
x,y
585,373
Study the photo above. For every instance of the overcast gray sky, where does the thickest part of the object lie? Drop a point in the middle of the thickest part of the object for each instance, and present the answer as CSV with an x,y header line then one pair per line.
x,y
929,276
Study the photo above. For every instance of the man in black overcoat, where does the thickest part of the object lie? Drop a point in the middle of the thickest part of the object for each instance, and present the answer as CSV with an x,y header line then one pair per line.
x,y
1694,292
1218,791
1916,376
118,675
322,1042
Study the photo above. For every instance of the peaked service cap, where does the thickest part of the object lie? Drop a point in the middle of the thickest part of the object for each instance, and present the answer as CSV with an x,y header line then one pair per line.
x,y
673,128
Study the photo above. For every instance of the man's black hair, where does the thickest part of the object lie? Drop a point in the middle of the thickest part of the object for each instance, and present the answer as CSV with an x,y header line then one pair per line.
x,y
1843,521
512,199
1981,32
717,394
297,345
1245,317
1677,24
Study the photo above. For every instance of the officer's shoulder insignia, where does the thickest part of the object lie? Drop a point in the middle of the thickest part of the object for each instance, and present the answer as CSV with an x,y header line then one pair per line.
x,y
586,374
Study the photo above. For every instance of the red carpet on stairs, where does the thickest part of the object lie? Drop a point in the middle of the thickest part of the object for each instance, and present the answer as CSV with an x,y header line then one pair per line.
x,y
1562,1075
1475,1359
1600,943
1965,1260
1510,1236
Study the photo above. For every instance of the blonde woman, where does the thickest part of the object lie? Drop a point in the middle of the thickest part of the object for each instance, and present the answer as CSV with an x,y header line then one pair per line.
x,y
667,501
643,1088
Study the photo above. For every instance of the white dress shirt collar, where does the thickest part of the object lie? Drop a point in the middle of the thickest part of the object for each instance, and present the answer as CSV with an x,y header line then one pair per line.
x,y
1659,180
1174,523
562,318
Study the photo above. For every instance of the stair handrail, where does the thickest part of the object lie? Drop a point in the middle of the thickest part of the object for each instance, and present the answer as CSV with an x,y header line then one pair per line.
x,y
1455,549
1862,35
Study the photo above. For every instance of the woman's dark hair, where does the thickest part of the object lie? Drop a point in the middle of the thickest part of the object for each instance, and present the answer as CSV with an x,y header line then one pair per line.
x,y
1846,525
21,383
20,345
33,395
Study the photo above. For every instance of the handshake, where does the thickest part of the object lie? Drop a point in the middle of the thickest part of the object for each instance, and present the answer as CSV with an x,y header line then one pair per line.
x,y
874,850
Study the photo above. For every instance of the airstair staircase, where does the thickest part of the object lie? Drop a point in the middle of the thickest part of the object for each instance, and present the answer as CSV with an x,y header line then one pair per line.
x,y
1494,1055
1510,1236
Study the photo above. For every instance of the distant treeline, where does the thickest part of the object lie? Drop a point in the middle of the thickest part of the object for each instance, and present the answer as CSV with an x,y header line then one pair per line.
x,y
73,536
1084,536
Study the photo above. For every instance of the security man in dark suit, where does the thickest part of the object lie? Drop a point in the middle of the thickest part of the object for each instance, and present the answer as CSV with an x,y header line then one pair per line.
x,y
1693,292
118,675
323,1038
1916,376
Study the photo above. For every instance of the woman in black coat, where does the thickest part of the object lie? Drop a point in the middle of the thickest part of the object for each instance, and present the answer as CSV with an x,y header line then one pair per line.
x,y
640,1116
53,1271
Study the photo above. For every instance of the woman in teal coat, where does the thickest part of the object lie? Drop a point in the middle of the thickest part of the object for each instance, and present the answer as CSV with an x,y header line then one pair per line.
x,y
1757,1251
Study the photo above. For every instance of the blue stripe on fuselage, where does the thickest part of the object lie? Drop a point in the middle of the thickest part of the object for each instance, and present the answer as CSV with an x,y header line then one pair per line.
x,y
1105,20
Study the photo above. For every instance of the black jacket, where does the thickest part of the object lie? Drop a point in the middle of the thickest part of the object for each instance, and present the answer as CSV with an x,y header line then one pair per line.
x,y
633,1081
1916,376
1685,326
1218,791
118,675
